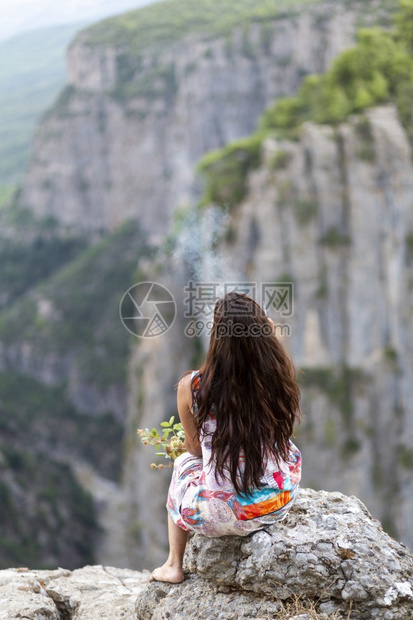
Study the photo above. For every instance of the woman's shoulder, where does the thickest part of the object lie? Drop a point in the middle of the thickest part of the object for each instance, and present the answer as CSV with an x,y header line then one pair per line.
x,y
187,382
187,388
186,378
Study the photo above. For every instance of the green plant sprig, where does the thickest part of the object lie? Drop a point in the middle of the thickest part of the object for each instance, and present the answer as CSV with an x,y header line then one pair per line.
x,y
170,443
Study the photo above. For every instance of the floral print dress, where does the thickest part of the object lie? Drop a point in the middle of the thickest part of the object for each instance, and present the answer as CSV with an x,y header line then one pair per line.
x,y
198,502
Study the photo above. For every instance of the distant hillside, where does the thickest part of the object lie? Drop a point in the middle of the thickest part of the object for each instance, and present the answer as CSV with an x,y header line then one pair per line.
x,y
24,15
32,72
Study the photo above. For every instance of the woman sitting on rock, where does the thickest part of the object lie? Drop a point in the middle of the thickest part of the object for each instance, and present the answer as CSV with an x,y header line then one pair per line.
x,y
241,471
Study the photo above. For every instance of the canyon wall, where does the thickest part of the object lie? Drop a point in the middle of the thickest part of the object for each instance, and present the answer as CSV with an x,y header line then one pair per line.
x,y
102,155
332,214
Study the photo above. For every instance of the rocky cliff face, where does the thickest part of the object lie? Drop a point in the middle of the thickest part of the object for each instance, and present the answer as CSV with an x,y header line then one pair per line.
x,y
101,155
328,559
332,214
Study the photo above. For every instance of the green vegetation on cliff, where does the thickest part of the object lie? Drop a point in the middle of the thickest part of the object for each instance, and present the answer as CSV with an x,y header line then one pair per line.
x,y
76,311
226,170
67,320
39,418
164,23
67,314
6,193
46,518
31,251
377,70
142,35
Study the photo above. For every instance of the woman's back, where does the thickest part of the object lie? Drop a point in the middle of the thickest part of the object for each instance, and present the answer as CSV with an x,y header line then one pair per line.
x,y
249,380
280,475
202,500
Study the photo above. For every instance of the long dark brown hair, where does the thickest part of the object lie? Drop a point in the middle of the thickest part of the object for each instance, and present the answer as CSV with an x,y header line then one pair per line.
x,y
248,381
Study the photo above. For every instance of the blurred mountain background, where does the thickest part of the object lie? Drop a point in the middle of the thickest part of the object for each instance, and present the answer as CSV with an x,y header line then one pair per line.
x,y
234,142
33,40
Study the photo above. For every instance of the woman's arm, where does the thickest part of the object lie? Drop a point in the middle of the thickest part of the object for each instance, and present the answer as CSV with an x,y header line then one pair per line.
x,y
184,401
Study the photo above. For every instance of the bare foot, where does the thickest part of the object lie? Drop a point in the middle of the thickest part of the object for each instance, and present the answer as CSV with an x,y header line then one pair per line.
x,y
168,573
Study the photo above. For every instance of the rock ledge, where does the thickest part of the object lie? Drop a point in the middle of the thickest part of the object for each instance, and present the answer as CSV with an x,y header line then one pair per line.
x,y
329,554
89,593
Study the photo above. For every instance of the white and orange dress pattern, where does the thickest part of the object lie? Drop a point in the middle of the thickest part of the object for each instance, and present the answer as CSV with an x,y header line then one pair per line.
x,y
199,502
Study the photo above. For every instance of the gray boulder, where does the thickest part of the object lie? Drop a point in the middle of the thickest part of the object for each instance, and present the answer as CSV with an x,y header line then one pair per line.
x,y
89,593
329,556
